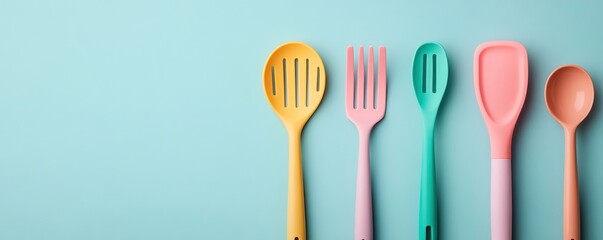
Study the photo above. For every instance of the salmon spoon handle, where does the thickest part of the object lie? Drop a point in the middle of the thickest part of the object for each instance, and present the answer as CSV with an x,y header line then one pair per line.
x,y
571,195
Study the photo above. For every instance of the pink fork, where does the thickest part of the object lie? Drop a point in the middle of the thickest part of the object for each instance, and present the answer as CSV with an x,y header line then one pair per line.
x,y
364,109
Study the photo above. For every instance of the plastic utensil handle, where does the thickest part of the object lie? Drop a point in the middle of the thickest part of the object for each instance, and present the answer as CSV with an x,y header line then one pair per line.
x,y
296,212
501,211
571,196
428,214
363,228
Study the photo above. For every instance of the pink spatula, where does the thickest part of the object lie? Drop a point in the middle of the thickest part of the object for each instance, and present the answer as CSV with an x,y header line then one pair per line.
x,y
501,83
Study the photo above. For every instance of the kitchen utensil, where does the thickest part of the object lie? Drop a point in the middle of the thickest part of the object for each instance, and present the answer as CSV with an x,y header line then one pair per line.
x,y
501,83
569,94
294,83
365,108
430,78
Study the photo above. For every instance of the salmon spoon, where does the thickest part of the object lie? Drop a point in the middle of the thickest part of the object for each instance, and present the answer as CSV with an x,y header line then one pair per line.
x,y
569,94
501,83
294,83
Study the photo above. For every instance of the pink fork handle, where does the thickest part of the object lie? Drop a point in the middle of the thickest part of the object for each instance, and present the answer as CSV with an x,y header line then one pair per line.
x,y
363,229
501,212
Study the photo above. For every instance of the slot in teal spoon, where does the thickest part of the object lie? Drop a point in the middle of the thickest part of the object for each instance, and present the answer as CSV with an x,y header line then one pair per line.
x,y
430,77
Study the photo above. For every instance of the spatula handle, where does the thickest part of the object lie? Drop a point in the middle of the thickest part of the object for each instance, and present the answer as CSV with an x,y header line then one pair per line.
x,y
296,212
363,228
501,212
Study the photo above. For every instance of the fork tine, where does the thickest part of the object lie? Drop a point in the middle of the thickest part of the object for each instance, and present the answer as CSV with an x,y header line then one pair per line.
x,y
349,85
370,82
382,77
360,79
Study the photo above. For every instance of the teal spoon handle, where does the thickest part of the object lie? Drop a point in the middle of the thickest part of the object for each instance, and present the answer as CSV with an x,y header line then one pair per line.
x,y
428,211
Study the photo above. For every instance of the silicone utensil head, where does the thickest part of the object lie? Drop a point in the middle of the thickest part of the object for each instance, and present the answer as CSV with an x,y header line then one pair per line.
x,y
501,83
569,94
294,82
430,75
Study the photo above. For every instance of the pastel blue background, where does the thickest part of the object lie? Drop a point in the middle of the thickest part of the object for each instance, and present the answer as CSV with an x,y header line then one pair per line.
x,y
147,120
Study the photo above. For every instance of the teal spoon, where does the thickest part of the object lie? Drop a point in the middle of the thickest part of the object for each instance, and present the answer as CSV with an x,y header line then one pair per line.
x,y
430,77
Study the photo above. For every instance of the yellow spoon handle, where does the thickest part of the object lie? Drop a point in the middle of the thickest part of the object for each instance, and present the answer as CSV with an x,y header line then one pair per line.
x,y
296,212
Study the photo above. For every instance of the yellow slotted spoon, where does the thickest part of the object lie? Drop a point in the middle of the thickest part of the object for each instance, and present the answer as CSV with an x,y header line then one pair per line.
x,y
294,83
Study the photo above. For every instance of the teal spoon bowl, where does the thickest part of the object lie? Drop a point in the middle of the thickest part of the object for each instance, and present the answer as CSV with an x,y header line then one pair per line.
x,y
430,78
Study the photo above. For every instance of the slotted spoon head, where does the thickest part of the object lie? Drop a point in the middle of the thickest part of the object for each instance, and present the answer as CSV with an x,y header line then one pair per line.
x,y
294,82
430,75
